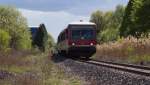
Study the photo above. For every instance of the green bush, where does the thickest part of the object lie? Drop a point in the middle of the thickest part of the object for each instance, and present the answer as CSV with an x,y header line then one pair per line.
x,y
4,40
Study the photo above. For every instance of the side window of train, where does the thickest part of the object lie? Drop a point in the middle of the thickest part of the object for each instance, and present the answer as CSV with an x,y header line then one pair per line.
x,y
63,36
59,39
66,34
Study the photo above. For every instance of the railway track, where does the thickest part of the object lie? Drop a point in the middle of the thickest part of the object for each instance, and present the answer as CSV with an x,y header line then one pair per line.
x,y
136,69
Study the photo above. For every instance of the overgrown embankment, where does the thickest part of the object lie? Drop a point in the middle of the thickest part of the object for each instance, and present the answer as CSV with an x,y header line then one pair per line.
x,y
32,68
128,50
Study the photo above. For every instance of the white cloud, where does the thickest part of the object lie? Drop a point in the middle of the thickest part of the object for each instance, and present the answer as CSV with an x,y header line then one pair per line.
x,y
55,21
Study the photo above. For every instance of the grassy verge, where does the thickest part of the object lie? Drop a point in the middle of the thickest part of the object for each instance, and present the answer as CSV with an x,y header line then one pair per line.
x,y
33,69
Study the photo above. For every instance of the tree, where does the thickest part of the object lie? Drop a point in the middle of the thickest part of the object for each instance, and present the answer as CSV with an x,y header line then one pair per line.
x,y
50,43
143,20
114,21
15,24
98,18
4,40
117,16
108,19
136,19
41,37
111,21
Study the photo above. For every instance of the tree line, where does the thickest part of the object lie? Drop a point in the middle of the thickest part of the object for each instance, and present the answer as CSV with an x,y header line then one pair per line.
x,y
124,21
15,33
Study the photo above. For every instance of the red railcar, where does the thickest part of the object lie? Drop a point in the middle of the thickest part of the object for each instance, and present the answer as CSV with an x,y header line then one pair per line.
x,y
78,39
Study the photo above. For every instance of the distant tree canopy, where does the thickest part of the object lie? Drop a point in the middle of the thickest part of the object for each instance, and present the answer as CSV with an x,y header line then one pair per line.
x,y
137,18
12,22
108,23
133,20
98,18
117,17
41,37
14,32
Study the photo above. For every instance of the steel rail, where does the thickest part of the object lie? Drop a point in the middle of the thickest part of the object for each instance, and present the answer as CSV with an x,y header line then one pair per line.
x,y
136,69
129,65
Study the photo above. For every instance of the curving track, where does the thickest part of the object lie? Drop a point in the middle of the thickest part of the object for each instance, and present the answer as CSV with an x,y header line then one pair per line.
x,y
136,69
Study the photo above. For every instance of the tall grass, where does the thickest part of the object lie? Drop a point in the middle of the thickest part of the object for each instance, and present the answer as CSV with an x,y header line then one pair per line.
x,y
128,49
32,68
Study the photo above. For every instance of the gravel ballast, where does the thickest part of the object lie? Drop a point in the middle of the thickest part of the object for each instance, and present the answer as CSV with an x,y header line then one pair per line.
x,y
98,75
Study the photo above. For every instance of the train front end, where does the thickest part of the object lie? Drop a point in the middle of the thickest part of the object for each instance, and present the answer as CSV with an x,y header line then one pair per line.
x,y
82,39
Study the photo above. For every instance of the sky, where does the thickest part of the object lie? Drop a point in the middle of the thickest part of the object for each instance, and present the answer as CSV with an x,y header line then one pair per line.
x,y
56,14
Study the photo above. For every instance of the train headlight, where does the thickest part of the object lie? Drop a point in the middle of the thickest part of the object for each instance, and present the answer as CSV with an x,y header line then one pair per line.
x,y
73,44
91,44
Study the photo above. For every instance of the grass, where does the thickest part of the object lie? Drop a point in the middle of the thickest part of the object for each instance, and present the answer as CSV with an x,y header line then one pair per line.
x,y
139,59
129,49
33,69
14,69
57,78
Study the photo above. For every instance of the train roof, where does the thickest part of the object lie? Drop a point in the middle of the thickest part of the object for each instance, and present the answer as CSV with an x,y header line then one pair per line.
x,y
78,23
82,23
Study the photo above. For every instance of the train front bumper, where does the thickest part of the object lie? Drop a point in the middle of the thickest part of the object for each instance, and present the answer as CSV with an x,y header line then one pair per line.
x,y
82,50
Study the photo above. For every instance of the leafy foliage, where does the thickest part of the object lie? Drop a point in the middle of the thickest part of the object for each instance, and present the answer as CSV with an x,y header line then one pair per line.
x,y
4,40
109,35
98,18
136,19
108,24
50,41
15,24
117,17
41,38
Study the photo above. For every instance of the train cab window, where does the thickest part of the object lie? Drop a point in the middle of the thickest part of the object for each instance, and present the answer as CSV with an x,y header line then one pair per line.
x,y
87,34
75,34
82,34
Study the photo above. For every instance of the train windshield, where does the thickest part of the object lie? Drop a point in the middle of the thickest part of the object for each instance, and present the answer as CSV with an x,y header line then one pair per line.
x,y
82,34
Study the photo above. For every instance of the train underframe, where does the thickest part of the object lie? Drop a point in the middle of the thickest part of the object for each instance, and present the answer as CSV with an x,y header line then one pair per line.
x,y
84,52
